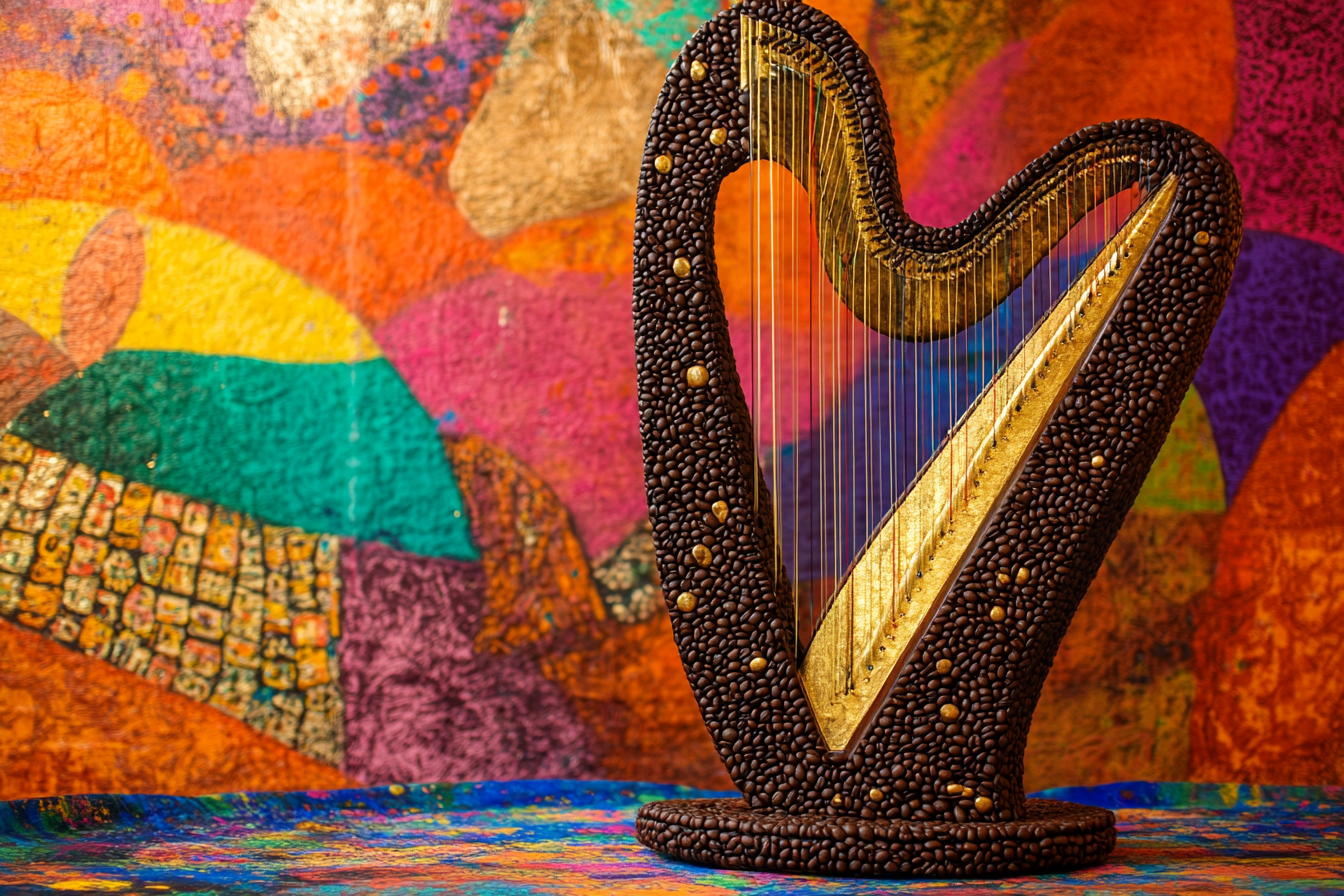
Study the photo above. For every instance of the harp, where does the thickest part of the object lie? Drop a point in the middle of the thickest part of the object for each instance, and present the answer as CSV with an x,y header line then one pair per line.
x,y
875,520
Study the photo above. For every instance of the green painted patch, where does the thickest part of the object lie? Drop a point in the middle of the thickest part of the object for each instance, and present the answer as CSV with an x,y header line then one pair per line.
x,y
663,26
1186,474
340,448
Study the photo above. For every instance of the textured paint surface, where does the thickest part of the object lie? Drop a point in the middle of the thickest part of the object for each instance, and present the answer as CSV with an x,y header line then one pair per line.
x,y
73,723
1269,699
409,256
578,837
231,429
429,707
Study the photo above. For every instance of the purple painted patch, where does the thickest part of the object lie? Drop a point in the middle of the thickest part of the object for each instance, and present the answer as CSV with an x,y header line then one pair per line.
x,y
1288,142
199,53
421,704
1285,310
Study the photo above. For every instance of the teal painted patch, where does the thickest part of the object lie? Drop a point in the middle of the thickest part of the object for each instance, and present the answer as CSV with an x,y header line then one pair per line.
x,y
664,27
340,448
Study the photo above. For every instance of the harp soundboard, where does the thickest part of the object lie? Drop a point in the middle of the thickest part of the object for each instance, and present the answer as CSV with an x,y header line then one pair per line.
x,y
874,524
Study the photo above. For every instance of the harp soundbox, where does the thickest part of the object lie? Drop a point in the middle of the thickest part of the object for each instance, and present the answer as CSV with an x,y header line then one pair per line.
x,y
875,519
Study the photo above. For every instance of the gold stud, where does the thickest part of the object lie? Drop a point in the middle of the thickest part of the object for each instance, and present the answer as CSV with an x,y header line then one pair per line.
x,y
681,267
757,663
718,136
949,712
1023,575
720,509
836,800
944,666
876,795
685,601
954,789
1202,238
702,555
983,804
698,70
663,164
396,789
1003,578
1098,461
697,376
997,614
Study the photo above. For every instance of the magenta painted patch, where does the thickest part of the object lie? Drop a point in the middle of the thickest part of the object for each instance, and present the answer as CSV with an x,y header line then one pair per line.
x,y
545,371
421,704
966,163
1288,141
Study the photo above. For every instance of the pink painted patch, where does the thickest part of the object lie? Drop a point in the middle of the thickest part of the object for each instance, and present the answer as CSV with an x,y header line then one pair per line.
x,y
1287,145
544,370
968,164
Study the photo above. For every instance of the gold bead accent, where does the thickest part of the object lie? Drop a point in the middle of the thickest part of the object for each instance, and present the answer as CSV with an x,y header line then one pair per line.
x,y
663,164
954,789
876,795
1098,461
944,667
949,712
681,267
396,789
1023,575
698,70
718,136
720,509
685,601
983,804
1202,238
1003,578
697,376
757,663
997,614
702,555
836,800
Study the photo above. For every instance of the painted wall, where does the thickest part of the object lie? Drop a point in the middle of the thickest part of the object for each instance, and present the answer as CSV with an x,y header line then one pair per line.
x,y
321,461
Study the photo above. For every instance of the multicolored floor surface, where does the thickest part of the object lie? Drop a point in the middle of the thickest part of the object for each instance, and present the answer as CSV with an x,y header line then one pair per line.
x,y
578,837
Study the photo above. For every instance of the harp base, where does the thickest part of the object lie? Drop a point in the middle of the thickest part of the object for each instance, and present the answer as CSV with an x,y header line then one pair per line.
x,y
1051,836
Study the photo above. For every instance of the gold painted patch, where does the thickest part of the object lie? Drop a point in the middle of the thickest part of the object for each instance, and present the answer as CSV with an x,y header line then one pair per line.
x,y
562,131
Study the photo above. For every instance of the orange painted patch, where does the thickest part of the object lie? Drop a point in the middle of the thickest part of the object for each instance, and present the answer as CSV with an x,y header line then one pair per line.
x,y
362,229
1269,645
762,217
1100,61
70,724
1094,62
58,142
102,287
596,242
629,687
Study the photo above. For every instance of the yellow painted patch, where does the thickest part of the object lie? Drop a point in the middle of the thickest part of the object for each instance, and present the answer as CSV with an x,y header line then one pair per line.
x,y
133,85
205,293
38,240
86,884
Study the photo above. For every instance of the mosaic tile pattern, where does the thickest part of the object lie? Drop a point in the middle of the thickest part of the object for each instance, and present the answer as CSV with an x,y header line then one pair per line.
x,y
193,596
578,837
627,578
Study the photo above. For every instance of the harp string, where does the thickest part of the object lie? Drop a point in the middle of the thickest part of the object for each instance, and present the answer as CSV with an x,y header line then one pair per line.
x,y
863,412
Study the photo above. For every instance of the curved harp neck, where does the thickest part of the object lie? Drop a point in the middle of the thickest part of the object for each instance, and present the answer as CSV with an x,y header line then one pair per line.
x,y
804,116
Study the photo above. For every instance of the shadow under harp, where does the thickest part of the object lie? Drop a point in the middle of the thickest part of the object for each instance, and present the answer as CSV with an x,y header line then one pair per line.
x,y
881,482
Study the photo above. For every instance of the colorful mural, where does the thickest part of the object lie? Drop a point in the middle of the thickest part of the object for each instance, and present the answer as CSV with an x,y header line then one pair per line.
x,y
320,463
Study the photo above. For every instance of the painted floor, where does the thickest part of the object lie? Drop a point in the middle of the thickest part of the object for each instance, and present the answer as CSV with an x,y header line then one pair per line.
x,y
568,837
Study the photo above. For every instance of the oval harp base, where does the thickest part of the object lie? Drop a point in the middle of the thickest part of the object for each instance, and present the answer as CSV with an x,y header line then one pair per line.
x,y
892,743
1050,836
